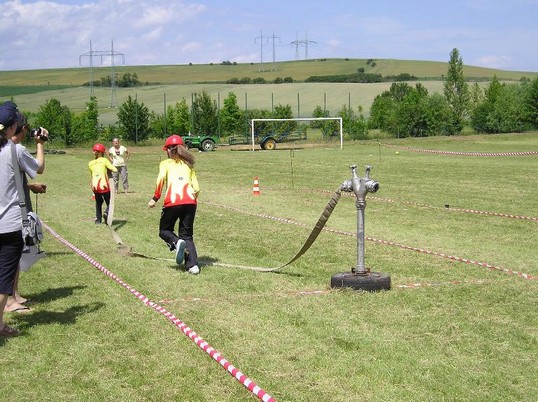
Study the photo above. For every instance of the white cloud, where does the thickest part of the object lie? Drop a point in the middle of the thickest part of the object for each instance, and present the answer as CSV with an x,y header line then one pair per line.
x,y
498,62
54,33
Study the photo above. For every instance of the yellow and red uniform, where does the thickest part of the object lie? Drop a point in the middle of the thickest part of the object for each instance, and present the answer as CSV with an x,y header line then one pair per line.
x,y
99,168
180,181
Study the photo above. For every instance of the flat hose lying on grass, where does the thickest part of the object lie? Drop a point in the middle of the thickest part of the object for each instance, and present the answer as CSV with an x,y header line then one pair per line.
x,y
127,251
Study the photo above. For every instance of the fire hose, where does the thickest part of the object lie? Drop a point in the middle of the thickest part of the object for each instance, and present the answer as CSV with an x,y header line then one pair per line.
x,y
127,251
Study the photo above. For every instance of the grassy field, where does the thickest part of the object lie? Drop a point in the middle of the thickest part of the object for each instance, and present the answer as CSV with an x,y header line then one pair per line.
x,y
302,97
169,84
447,330
298,70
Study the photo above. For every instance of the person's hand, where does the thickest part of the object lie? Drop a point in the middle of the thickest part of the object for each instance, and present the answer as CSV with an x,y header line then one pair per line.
x,y
151,203
37,188
42,136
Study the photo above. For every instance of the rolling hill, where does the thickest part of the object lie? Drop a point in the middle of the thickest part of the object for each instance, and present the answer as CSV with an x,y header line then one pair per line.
x,y
165,85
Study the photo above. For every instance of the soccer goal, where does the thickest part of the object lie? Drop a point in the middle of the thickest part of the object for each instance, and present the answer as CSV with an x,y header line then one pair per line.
x,y
269,142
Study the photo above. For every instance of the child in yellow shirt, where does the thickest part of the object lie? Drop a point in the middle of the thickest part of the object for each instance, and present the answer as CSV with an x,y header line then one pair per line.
x,y
100,168
178,180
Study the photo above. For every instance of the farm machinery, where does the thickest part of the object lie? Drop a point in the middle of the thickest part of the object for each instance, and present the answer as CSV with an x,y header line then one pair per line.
x,y
204,143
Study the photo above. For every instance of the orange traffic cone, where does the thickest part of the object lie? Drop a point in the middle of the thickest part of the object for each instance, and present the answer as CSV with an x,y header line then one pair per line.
x,y
256,188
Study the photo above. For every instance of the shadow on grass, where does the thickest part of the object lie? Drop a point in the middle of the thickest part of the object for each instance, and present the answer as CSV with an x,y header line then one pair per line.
x,y
68,316
53,294
51,253
118,224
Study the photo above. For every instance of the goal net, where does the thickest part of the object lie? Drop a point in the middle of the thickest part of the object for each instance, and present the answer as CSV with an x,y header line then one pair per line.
x,y
272,140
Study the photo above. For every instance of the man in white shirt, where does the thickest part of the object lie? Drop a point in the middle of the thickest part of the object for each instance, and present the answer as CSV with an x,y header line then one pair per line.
x,y
119,155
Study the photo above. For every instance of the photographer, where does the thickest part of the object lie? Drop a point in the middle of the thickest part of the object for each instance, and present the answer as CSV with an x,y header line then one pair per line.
x,y
15,303
11,241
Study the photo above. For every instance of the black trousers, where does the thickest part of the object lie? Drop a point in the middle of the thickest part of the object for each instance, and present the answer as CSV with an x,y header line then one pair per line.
x,y
101,198
11,245
185,214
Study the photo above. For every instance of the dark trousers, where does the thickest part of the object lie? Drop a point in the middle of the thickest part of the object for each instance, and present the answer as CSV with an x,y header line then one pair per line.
x,y
185,214
11,245
101,198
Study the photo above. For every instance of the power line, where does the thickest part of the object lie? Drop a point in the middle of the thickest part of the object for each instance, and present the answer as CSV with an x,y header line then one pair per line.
x,y
102,54
261,38
273,68
304,43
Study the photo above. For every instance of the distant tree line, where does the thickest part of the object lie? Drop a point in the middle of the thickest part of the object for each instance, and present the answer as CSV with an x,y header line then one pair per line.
x,y
401,111
259,80
126,80
406,111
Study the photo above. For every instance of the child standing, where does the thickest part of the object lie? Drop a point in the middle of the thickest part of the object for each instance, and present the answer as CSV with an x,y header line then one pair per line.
x,y
178,178
99,171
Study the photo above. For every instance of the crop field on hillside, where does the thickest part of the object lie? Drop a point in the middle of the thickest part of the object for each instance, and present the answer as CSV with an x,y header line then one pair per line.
x,y
166,85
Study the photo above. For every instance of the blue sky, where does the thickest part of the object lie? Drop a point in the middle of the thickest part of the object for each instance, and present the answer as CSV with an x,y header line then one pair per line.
x,y
55,34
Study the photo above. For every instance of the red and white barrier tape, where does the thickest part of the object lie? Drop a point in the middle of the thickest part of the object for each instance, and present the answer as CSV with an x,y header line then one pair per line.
x,y
433,151
432,284
238,375
389,243
451,209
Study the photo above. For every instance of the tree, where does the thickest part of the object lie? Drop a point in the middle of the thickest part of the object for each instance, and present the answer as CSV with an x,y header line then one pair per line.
x,y
437,113
204,114
385,110
128,80
177,121
133,119
510,111
180,117
57,119
231,118
504,109
355,126
86,124
318,112
456,91
283,112
412,112
476,97
531,101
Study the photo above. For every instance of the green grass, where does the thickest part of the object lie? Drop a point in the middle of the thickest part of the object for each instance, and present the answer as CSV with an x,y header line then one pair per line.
x,y
467,333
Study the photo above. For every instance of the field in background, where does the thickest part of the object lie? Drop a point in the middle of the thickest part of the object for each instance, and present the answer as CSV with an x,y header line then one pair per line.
x,y
302,97
181,81
448,330
205,73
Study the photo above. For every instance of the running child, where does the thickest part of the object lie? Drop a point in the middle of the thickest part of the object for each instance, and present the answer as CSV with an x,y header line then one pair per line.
x,y
100,168
178,179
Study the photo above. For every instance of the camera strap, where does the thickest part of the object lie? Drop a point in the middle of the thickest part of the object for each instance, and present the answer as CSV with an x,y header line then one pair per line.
x,y
18,183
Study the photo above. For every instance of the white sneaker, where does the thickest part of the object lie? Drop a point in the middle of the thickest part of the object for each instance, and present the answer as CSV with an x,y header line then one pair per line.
x,y
194,270
180,251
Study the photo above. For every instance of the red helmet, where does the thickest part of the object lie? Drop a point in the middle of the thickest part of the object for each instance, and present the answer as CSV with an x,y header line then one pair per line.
x,y
99,148
173,140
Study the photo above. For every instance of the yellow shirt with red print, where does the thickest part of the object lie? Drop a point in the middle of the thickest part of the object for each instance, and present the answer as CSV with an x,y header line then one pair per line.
x,y
99,168
180,181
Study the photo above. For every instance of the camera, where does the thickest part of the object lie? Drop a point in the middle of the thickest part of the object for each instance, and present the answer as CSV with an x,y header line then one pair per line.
x,y
36,133
29,240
